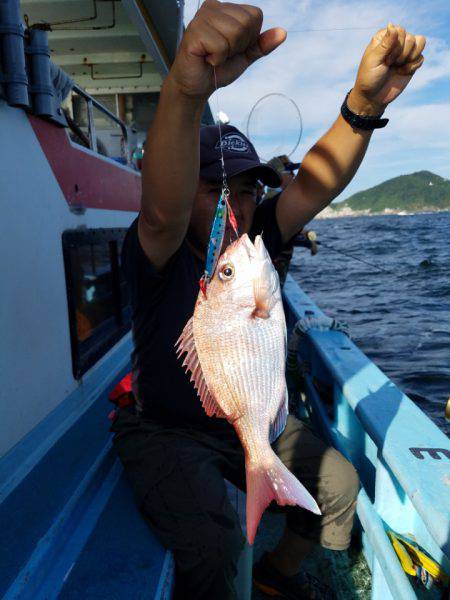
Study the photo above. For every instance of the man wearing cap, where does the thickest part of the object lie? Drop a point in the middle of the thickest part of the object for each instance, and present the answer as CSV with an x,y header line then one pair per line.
x,y
285,169
175,456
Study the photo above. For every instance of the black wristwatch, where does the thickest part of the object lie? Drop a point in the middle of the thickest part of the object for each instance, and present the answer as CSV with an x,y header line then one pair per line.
x,y
359,122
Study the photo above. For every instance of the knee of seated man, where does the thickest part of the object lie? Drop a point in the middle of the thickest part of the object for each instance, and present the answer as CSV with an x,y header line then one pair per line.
x,y
343,482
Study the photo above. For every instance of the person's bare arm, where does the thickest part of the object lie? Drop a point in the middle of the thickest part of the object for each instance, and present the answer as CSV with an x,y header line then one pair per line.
x,y
169,173
325,171
388,64
222,35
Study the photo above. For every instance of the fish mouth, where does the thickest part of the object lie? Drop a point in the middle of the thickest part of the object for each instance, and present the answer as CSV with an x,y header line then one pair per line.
x,y
254,250
246,243
261,250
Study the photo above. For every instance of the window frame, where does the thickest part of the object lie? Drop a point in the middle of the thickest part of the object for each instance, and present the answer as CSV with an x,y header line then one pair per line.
x,y
86,353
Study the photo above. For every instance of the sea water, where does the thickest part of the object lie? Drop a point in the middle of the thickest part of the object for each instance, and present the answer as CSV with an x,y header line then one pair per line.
x,y
400,317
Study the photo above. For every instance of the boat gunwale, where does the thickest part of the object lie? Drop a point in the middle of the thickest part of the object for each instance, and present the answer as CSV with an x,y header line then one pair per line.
x,y
427,489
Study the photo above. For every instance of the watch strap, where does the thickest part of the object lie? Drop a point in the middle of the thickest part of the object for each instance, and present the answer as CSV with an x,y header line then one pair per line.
x,y
359,122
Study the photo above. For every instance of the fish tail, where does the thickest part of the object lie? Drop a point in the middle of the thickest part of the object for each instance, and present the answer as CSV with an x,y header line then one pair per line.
x,y
275,482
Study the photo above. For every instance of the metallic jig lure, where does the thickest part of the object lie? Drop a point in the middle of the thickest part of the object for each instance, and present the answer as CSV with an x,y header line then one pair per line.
x,y
223,212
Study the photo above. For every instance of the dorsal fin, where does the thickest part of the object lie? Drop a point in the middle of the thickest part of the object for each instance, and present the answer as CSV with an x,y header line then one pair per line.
x,y
186,344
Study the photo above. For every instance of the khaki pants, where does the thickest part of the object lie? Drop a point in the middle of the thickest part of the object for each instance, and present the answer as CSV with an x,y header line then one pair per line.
x,y
178,478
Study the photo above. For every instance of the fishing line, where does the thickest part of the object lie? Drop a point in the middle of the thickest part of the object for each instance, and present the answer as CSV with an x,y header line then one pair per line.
x,y
199,2
332,29
257,133
225,189
312,30
223,213
223,209
354,257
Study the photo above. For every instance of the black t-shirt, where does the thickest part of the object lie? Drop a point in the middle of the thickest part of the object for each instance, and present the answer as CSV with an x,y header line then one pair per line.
x,y
162,303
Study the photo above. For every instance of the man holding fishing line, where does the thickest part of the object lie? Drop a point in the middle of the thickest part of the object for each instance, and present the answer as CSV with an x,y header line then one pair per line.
x,y
175,456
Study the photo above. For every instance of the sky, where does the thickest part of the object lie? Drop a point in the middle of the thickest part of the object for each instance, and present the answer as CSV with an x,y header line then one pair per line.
x,y
315,69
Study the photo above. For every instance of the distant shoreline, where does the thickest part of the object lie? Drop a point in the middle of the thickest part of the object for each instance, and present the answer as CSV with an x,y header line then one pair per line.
x,y
330,213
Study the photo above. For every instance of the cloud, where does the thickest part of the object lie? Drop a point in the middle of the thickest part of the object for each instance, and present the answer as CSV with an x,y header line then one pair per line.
x,y
317,68
437,65
421,127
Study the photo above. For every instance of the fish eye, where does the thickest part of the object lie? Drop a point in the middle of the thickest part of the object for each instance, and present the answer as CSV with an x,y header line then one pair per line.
x,y
226,272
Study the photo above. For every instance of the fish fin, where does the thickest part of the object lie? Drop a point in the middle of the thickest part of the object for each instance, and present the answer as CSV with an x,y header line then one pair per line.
x,y
262,292
260,313
273,483
186,345
280,420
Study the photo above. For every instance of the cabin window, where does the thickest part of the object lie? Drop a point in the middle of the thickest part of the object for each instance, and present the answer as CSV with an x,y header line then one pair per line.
x,y
98,301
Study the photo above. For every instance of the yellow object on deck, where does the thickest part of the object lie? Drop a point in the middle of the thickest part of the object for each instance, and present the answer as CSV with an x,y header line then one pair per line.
x,y
412,558
447,410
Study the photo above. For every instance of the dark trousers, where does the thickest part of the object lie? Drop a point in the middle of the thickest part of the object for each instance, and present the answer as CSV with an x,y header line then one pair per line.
x,y
178,479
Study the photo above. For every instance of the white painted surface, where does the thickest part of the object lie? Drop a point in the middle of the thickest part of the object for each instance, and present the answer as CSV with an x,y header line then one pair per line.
x,y
35,360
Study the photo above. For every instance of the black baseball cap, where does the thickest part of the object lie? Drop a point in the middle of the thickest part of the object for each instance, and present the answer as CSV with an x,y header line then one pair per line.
x,y
238,152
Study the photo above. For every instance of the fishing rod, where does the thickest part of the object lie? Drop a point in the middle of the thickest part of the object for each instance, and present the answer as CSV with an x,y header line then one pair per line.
x,y
354,257
311,236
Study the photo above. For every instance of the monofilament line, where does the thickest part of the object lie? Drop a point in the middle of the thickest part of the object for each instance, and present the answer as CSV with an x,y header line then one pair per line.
x,y
222,160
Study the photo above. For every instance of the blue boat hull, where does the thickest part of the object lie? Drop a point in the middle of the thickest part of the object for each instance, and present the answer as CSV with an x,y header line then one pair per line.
x,y
402,458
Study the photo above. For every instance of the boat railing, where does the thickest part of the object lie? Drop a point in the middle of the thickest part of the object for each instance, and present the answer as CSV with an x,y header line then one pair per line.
x,y
92,103
401,456
30,81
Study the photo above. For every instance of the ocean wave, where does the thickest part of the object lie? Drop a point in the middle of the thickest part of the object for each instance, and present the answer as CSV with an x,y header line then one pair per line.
x,y
397,316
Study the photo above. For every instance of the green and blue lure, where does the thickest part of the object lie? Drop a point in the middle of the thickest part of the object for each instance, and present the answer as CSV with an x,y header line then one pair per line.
x,y
223,212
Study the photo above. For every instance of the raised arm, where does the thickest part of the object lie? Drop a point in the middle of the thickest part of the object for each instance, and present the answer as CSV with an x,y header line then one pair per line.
x,y
169,173
387,66
222,35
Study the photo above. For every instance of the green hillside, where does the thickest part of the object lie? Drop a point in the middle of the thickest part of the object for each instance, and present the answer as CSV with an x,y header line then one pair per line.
x,y
412,193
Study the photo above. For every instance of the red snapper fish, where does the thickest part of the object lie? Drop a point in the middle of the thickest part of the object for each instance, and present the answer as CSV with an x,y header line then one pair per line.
x,y
235,346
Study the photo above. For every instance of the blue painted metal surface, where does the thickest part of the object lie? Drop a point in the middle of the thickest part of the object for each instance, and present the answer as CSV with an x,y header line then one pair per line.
x,y
121,549
12,54
68,519
41,88
361,412
16,464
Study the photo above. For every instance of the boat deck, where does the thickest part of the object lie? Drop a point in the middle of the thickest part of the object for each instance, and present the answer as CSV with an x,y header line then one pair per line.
x,y
346,572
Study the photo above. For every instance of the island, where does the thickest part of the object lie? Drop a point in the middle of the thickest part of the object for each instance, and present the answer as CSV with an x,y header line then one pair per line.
x,y
414,193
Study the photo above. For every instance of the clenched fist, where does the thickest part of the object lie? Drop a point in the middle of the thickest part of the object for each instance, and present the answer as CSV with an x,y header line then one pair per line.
x,y
386,68
225,36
